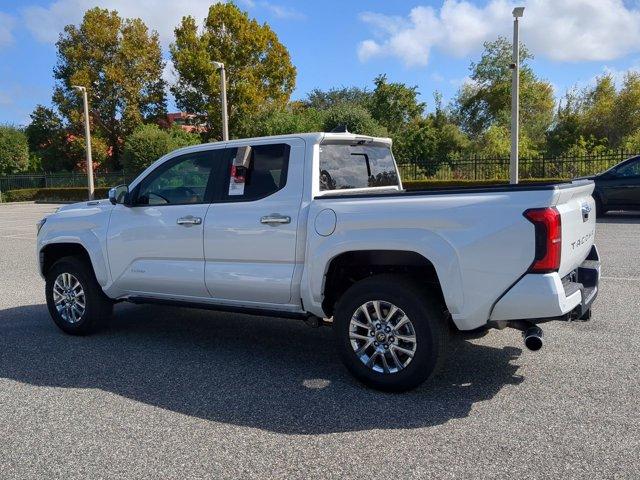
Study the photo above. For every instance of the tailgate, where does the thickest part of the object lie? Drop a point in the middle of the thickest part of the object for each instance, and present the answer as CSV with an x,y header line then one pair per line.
x,y
578,214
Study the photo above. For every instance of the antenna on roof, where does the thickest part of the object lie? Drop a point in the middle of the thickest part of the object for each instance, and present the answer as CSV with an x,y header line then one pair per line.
x,y
340,129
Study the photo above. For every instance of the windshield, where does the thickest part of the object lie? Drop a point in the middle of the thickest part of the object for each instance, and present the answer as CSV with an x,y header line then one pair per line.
x,y
344,166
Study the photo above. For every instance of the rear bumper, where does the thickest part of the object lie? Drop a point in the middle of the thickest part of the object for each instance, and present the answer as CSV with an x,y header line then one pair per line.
x,y
544,297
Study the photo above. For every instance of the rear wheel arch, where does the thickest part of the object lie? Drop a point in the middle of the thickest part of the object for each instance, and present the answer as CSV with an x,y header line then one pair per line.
x,y
349,267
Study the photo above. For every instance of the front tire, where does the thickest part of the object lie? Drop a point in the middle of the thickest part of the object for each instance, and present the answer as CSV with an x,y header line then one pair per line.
x,y
75,300
391,335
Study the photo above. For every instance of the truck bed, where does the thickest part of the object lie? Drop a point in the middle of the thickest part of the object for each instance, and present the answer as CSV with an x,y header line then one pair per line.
x,y
452,190
477,238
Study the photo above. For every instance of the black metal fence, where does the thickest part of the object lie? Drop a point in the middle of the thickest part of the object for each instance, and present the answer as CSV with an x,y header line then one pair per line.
x,y
64,179
455,167
458,167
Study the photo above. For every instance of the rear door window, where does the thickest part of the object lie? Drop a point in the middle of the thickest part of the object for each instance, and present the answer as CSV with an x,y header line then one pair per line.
x,y
265,172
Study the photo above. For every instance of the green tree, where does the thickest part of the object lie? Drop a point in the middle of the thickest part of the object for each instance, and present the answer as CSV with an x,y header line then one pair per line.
x,y
568,124
76,153
48,140
394,104
356,118
631,143
598,111
598,117
289,120
148,143
260,75
322,100
120,63
626,110
430,140
14,150
486,100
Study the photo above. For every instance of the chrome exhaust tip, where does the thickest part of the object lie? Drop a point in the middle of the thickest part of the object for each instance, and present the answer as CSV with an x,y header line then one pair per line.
x,y
533,338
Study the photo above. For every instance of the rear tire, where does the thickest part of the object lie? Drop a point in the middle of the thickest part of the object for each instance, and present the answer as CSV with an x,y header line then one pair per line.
x,y
75,300
411,350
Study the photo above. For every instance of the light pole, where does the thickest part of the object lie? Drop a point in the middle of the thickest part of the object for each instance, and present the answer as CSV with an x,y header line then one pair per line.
x,y
223,100
515,97
87,137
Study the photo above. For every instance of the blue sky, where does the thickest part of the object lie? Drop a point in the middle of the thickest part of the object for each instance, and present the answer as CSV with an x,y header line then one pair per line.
x,y
344,43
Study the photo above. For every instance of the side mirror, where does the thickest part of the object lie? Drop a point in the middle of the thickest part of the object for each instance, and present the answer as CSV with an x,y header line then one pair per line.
x,y
119,194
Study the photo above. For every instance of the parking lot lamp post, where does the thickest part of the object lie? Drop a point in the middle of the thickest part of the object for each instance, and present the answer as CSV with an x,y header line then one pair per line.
x,y
87,136
515,97
223,100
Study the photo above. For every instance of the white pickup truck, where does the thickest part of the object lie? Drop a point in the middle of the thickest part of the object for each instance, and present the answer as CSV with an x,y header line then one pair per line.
x,y
317,226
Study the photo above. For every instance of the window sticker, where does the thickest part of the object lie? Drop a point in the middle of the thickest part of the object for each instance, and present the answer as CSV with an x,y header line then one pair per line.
x,y
237,180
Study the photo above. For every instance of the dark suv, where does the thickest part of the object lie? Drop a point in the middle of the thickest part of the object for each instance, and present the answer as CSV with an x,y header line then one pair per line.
x,y
619,187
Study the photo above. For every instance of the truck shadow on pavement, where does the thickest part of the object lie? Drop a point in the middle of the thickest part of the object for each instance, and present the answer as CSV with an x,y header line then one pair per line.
x,y
620,217
272,374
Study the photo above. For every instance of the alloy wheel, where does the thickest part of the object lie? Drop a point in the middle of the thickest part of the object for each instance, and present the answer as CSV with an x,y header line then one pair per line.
x,y
69,298
382,336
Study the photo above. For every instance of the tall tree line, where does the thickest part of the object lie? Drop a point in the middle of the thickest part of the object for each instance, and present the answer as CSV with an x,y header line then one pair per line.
x,y
120,62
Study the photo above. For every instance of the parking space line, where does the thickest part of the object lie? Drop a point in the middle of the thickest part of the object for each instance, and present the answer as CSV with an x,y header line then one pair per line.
x,y
19,227
633,279
19,235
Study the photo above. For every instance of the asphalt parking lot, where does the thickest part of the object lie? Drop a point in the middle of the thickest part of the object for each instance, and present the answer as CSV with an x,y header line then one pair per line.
x,y
181,393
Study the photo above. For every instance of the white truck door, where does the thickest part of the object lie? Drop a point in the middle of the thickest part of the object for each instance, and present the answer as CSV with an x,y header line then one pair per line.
x,y
155,244
250,233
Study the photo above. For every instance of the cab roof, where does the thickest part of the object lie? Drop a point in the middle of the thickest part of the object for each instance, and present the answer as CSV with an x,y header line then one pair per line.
x,y
313,137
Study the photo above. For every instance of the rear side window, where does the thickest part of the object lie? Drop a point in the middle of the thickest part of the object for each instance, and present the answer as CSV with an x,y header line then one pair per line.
x,y
344,166
264,173
631,169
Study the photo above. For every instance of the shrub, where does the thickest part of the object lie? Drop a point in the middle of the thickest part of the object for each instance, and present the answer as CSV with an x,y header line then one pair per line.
x,y
426,184
282,122
148,143
70,194
356,118
14,150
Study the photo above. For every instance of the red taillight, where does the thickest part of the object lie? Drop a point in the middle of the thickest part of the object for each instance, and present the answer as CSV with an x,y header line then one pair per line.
x,y
548,229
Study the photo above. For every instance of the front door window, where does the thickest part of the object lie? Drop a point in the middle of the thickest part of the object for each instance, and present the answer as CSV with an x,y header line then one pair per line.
x,y
182,181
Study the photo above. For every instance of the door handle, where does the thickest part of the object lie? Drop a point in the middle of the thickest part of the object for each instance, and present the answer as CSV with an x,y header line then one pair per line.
x,y
275,219
189,220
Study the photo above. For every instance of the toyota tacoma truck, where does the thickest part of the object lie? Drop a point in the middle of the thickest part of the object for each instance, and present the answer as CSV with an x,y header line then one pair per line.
x,y
317,226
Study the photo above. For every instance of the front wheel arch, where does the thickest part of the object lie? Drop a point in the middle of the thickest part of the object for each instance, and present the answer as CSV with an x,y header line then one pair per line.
x,y
51,253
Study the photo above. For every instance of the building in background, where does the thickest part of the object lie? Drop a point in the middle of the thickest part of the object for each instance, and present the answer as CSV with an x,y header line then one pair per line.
x,y
189,122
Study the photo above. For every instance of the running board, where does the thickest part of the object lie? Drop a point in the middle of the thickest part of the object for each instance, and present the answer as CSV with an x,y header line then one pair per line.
x,y
262,312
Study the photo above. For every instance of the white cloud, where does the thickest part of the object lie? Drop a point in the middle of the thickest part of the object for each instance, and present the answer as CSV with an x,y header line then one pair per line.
x,y
7,23
282,12
5,99
460,82
616,74
567,31
169,73
278,11
46,23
